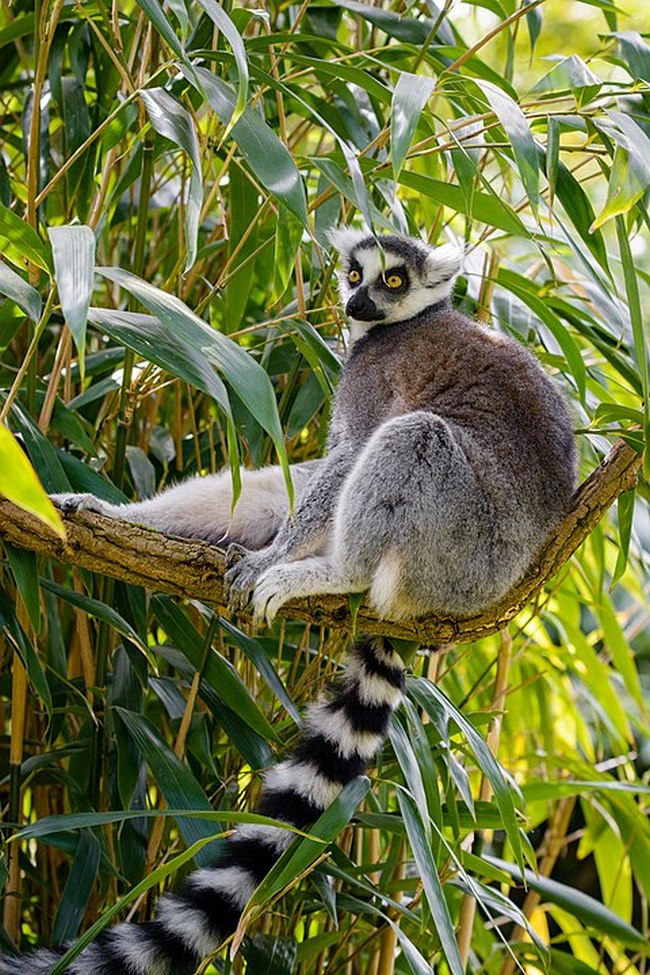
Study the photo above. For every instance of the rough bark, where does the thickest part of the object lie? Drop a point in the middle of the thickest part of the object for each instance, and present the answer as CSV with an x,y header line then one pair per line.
x,y
195,569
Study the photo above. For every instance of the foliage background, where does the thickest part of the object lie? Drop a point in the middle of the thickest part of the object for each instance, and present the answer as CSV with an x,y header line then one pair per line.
x,y
209,148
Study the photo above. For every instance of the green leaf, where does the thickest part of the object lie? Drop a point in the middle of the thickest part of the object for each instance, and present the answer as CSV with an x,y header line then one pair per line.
x,y
19,242
573,198
13,286
152,880
266,155
573,74
525,290
488,209
625,509
242,244
228,29
412,30
173,777
581,906
411,772
636,52
638,331
218,672
252,649
73,250
155,13
534,24
518,132
53,825
19,483
170,118
157,342
630,173
24,569
438,706
411,94
16,636
624,189
428,874
100,610
267,955
77,890
42,455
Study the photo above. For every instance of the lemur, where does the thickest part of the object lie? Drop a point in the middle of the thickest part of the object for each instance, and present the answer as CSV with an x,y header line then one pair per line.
x,y
450,458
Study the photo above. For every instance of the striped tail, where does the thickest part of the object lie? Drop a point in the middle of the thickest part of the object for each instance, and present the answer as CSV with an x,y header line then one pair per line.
x,y
340,737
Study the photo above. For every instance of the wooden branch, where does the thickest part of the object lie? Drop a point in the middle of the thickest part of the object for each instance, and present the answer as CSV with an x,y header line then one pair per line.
x,y
195,569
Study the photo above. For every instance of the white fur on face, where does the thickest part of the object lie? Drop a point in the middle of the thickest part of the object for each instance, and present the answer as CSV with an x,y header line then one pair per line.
x,y
428,285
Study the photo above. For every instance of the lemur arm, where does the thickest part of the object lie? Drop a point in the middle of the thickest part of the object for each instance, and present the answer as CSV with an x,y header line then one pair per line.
x,y
303,533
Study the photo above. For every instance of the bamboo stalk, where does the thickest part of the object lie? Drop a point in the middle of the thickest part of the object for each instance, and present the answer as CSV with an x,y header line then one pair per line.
x,y
468,907
388,944
19,687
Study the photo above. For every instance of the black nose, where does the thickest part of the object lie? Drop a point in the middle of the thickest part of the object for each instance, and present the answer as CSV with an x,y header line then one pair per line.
x,y
362,307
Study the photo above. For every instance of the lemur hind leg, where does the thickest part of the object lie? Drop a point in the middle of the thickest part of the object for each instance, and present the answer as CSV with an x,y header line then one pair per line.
x,y
200,507
413,517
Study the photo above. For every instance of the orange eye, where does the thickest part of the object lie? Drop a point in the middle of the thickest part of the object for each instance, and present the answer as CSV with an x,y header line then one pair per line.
x,y
394,281
354,276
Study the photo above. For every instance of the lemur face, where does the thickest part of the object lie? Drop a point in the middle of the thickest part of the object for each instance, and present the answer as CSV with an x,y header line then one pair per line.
x,y
392,284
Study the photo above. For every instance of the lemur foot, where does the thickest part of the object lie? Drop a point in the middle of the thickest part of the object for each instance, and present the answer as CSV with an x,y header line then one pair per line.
x,y
244,568
69,503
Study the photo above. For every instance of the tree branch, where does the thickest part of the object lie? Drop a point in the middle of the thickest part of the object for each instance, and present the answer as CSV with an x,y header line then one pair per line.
x,y
195,569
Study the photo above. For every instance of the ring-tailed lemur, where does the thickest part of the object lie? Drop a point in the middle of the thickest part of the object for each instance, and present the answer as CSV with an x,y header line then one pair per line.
x,y
450,458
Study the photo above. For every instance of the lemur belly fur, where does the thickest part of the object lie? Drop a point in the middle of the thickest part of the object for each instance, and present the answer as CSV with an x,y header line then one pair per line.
x,y
450,458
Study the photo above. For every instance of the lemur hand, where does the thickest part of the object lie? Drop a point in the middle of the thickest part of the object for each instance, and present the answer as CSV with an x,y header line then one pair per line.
x,y
244,568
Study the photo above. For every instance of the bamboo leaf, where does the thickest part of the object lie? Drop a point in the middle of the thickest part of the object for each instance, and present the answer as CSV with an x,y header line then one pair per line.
x,y
411,94
19,242
228,29
170,118
77,890
248,379
432,699
428,873
18,639
518,131
13,286
587,909
73,251
19,483
260,147
173,777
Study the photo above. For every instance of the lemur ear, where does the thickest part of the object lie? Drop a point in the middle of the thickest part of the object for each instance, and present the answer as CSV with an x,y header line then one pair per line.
x,y
343,238
444,263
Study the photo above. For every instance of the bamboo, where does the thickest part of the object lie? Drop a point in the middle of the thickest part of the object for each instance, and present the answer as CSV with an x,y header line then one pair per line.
x,y
12,912
504,660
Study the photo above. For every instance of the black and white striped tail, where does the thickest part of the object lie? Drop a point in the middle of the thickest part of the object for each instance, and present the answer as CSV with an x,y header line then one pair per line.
x,y
340,737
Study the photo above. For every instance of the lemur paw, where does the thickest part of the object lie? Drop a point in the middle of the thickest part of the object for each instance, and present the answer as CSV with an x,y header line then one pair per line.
x,y
69,503
273,590
244,568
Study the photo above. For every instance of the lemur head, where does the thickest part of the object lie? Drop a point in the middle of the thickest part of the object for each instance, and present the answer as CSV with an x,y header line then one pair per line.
x,y
393,280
